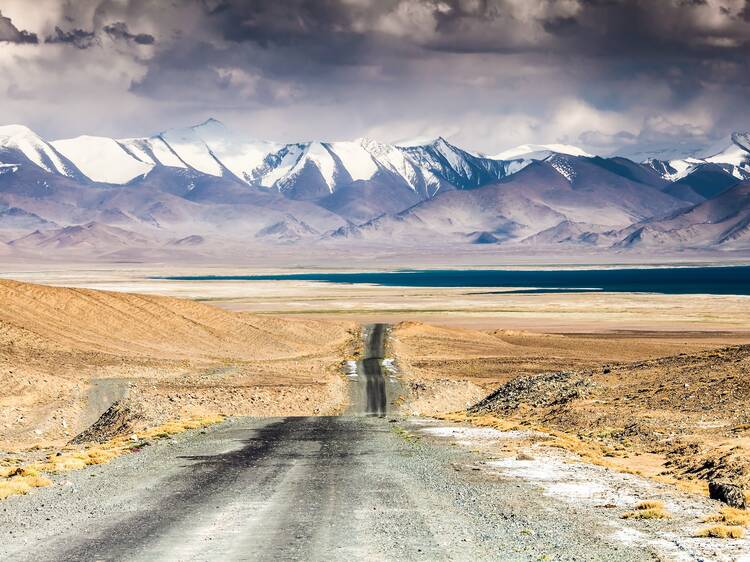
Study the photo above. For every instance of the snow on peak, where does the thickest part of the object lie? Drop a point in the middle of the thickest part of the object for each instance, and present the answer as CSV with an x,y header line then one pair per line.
x,y
10,131
540,152
211,147
418,142
31,145
356,159
318,155
102,159
192,149
211,121
737,154
211,127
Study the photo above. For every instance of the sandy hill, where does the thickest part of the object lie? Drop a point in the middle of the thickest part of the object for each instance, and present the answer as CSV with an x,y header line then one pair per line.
x,y
157,327
66,354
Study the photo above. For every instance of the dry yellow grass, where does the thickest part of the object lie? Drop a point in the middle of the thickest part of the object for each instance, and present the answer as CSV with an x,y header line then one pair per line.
x,y
17,480
101,454
480,421
649,509
591,452
721,532
20,485
730,516
650,504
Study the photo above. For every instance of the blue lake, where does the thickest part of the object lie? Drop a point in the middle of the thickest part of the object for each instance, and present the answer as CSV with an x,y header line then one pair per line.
x,y
668,280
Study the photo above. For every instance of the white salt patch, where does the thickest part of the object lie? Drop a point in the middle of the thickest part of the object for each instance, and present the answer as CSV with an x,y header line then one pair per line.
x,y
351,369
562,478
627,535
475,433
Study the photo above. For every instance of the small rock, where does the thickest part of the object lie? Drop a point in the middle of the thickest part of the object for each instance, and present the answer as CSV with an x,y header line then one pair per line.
x,y
134,437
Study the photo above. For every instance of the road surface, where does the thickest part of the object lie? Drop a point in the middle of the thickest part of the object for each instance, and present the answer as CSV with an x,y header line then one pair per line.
x,y
354,487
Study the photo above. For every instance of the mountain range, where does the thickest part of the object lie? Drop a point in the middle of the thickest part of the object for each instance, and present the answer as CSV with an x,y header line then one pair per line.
x,y
206,190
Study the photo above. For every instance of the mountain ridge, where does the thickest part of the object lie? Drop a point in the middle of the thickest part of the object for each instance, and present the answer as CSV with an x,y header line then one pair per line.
x,y
213,188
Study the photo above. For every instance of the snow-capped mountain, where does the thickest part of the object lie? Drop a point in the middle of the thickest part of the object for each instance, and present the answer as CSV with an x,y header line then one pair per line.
x,y
102,159
17,141
210,184
539,152
706,173
307,170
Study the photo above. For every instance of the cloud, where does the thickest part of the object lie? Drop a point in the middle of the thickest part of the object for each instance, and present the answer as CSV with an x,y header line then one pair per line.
x,y
9,33
79,38
119,30
489,73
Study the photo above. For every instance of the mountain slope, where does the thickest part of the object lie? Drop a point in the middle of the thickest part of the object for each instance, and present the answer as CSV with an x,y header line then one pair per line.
x,y
723,221
89,236
19,143
102,159
539,197
457,167
539,152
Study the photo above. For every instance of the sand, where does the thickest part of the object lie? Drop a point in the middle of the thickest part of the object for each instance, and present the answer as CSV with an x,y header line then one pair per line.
x,y
661,404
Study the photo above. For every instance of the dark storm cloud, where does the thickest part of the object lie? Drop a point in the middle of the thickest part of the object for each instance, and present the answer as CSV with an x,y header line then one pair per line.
x,y
615,52
79,38
119,30
9,33
598,72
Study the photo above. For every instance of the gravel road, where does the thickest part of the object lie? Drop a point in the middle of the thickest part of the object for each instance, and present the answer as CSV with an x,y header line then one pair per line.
x,y
355,487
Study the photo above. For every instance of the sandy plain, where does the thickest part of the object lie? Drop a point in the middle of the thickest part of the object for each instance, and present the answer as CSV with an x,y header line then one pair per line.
x,y
460,307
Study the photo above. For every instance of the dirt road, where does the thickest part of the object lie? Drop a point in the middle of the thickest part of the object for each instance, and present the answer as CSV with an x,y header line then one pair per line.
x,y
354,487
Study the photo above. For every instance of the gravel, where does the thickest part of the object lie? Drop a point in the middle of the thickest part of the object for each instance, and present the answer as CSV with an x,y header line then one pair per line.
x,y
343,488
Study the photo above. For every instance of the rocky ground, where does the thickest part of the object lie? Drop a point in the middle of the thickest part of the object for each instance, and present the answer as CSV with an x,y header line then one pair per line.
x,y
690,410
354,488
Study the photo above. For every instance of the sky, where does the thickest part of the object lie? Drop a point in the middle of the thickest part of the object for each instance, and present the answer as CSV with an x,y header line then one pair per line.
x,y
629,76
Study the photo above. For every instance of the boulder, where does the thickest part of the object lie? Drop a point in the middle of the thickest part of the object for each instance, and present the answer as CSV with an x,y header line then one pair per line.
x,y
731,494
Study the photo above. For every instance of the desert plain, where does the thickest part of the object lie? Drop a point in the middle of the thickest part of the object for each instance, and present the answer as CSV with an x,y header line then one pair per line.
x,y
646,384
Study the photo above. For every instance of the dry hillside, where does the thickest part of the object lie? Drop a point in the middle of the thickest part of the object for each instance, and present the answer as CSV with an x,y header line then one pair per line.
x,y
669,404
65,354
448,368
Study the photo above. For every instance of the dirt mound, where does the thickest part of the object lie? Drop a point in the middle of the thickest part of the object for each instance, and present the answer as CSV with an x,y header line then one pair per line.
x,y
692,410
119,419
538,391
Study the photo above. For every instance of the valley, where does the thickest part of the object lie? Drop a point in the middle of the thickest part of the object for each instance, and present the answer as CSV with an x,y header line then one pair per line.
x,y
464,434
341,280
